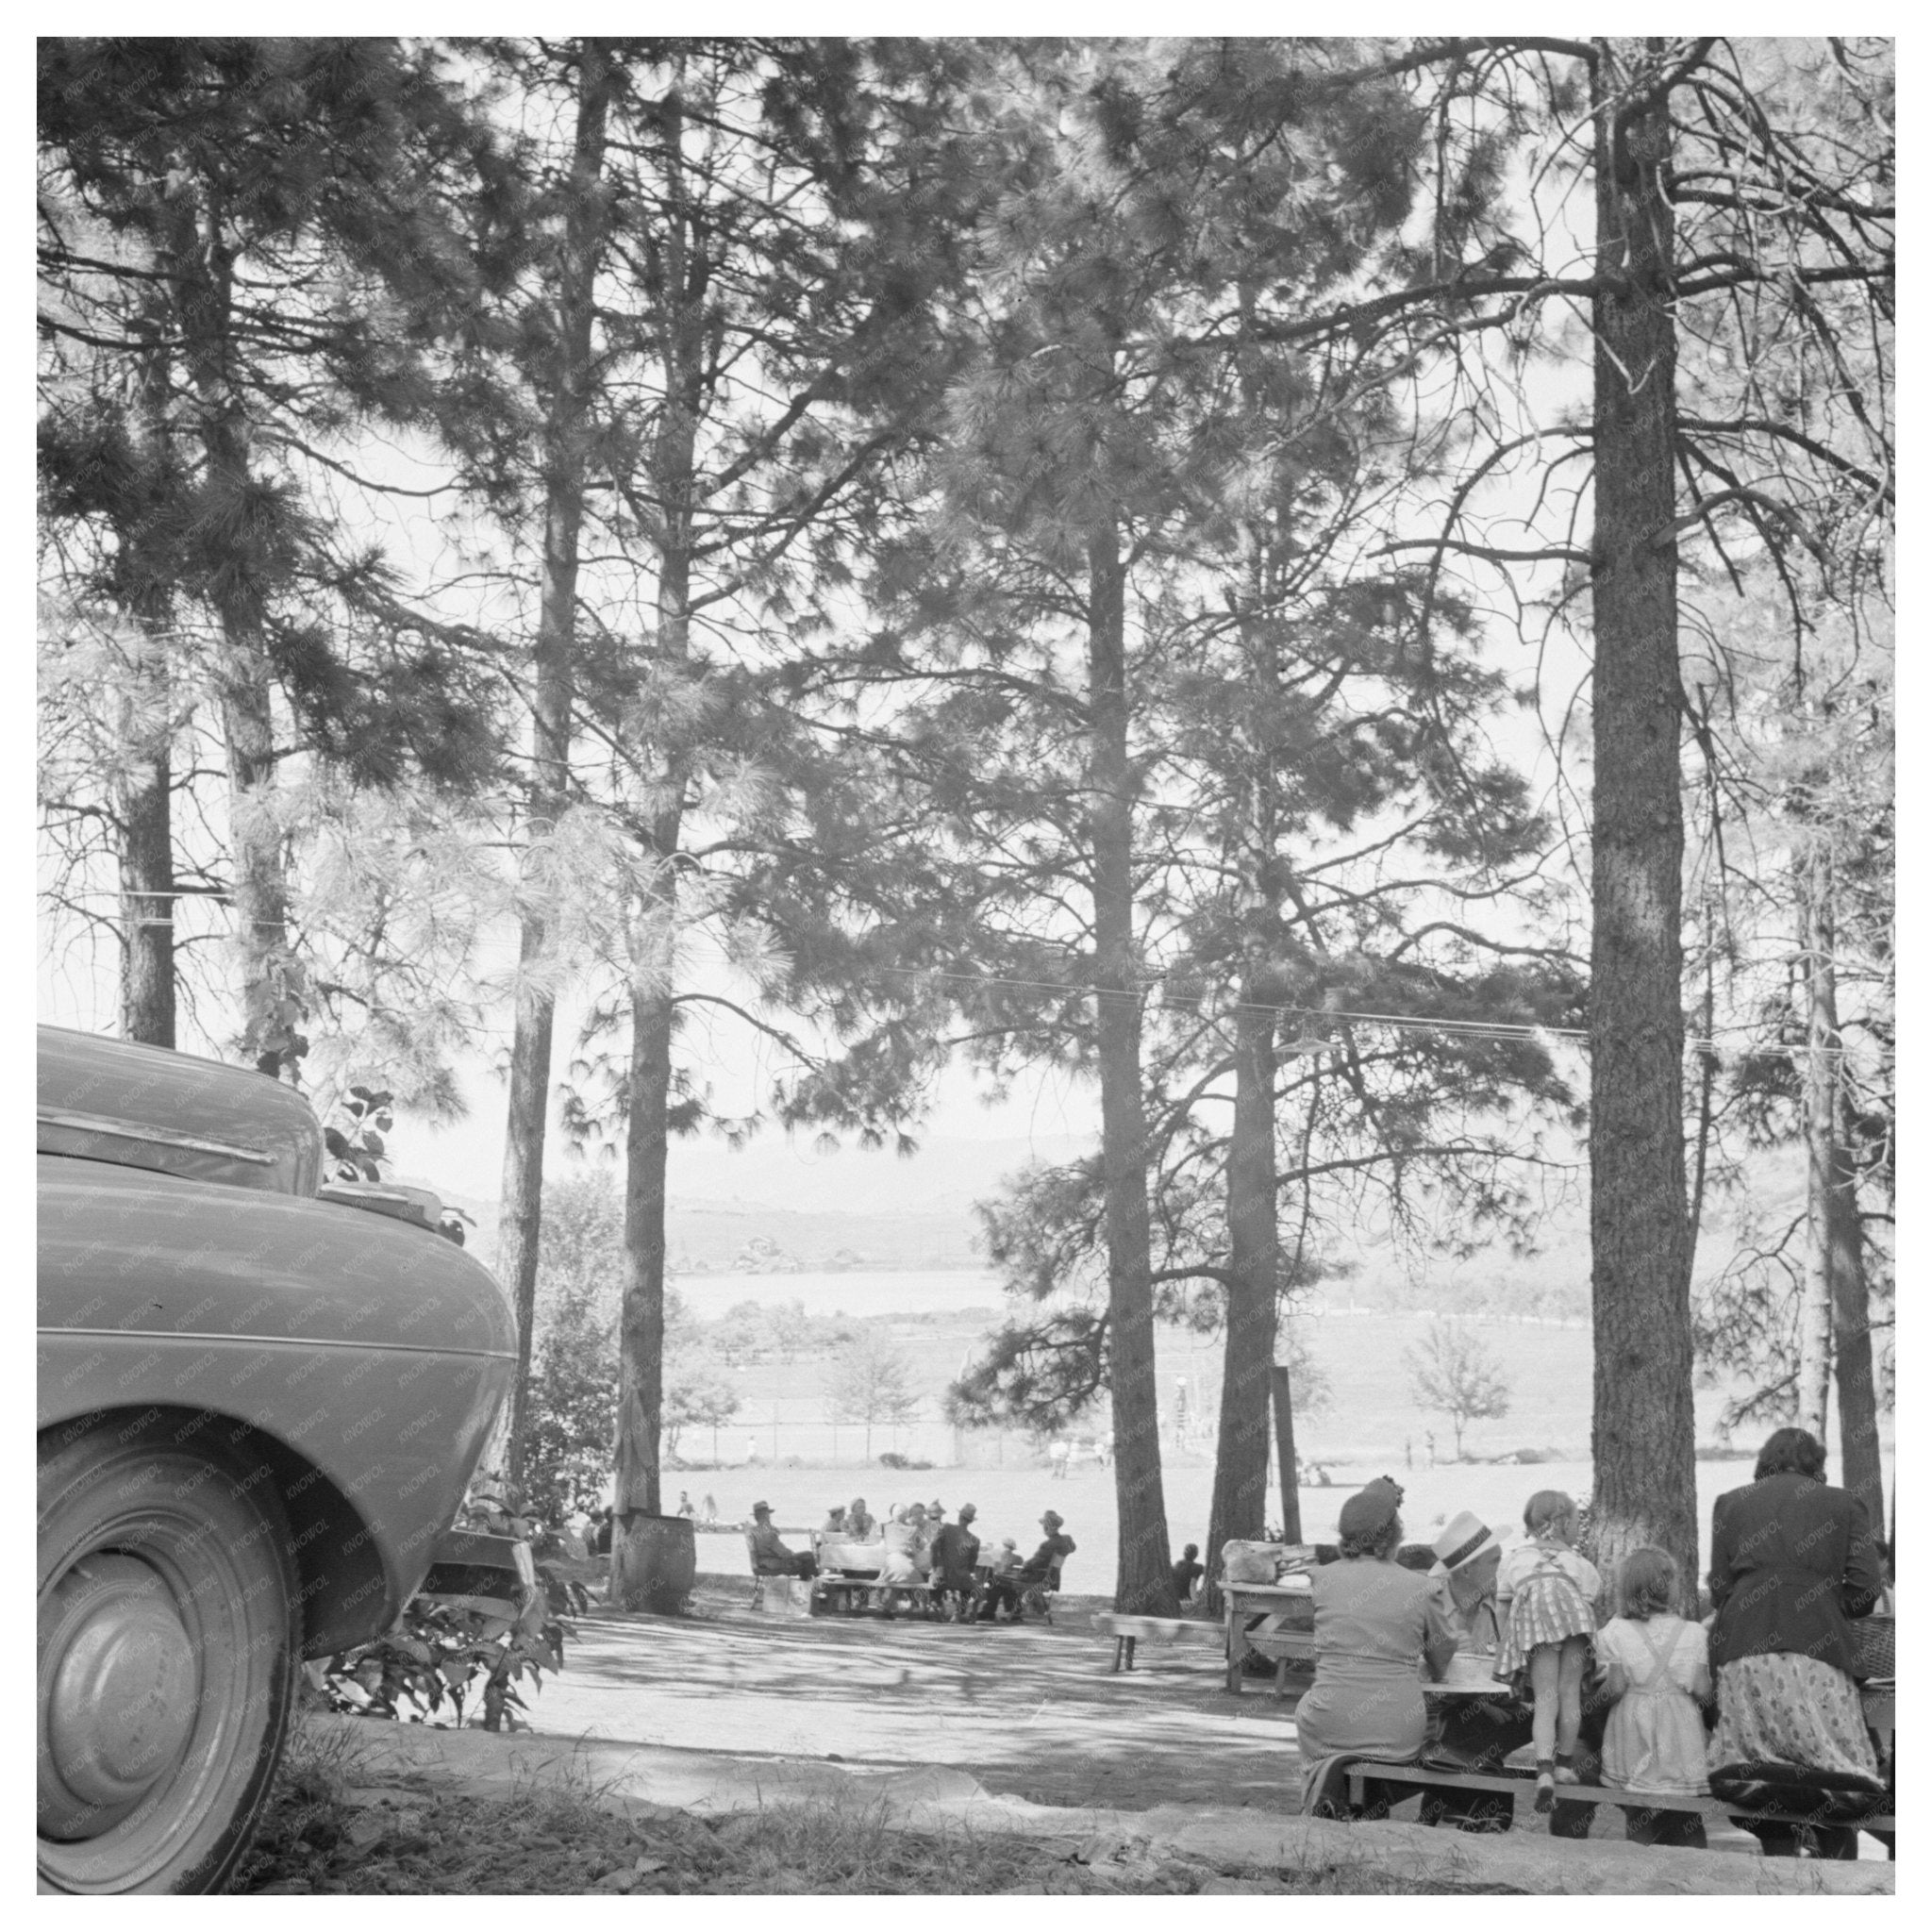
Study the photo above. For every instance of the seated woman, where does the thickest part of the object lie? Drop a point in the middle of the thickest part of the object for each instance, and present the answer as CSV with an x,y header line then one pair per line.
x,y
1374,1622
1791,1559
908,1558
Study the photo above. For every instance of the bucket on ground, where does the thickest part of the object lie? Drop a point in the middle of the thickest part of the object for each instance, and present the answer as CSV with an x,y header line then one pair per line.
x,y
656,1565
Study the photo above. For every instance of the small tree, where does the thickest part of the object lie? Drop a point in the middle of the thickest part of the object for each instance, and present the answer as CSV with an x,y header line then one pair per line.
x,y
1453,1371
699,1397
790,1329
871,1382
739,1334
572,1409
1309,1386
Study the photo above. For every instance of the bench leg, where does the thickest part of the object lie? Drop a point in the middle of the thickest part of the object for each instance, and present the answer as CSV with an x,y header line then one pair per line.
x,y
1280,1677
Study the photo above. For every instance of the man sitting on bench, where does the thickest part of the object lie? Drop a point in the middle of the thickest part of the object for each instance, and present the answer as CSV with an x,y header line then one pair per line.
x,y
1039,1574
954,1561
1478,1733
768,1554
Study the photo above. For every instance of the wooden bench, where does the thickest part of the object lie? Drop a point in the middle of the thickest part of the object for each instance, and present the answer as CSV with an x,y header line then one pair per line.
x,y
847,1595
1523,1785
1127,1631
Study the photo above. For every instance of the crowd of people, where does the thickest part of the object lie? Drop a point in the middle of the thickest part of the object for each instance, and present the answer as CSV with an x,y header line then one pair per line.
x,y
1757,1694
916,1547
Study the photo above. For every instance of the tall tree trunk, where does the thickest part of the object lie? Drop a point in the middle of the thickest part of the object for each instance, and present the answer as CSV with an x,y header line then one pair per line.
x,y
641,1369
271,983
653,925
1643,1433
144,725
143,811
1239,1504
199,265
1855,1372
1145,1579
1821,1137
1836,1331
520,1216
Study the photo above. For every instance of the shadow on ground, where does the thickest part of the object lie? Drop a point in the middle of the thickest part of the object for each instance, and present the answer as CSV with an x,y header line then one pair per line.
x,y
1031,1710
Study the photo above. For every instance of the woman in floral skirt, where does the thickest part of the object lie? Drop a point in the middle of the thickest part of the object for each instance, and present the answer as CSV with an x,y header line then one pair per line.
x,y
1791,1559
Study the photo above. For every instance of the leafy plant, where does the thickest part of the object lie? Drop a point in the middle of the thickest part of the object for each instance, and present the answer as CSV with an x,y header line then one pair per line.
x,y
358,1155
358,1151
437,1653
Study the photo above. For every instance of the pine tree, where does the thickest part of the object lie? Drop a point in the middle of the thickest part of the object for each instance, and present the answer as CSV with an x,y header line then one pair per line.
x,y
1213,477
241,239
761,242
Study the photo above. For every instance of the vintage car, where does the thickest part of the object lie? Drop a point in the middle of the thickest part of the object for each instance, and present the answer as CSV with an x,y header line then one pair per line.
x,y
261,1399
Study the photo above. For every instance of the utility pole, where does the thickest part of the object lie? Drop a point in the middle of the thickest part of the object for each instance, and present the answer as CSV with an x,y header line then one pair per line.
x,y
1284,1444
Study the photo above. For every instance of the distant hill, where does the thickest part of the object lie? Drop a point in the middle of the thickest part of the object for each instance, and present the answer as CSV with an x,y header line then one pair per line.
x,y
711,1236
781,1206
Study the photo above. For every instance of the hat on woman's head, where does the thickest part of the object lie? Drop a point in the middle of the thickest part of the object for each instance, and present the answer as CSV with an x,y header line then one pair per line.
x,y
1054,1517
1368,1512
1465,1538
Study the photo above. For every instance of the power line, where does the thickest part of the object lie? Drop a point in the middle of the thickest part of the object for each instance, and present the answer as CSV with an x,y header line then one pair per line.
x,y
1153,993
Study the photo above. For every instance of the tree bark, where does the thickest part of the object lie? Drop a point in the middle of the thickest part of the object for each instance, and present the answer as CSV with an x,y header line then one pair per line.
x,y
1835,1331
1855,1373
1143,1581
653,929
520,1217
1643,1428
143,811
1239,1504
270,984
1820,1138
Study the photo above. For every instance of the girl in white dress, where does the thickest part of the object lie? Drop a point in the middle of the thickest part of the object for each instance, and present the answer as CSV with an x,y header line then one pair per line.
x,y
1658,1667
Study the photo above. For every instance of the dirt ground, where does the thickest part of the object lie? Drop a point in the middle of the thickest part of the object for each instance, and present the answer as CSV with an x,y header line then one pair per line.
x,y
1031,1710
731,1751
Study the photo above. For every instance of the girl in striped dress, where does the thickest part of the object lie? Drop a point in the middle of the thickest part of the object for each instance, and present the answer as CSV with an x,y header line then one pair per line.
x,y
1544,1591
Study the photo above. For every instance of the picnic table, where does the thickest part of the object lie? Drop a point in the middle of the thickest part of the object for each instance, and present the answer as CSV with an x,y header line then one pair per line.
x,y
849,1577
1276,1620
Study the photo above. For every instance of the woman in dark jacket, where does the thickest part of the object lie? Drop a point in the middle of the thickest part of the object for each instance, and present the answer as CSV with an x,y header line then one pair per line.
x,y
1791,1559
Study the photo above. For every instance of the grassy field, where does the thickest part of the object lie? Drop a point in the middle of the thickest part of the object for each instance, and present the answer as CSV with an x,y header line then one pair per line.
x,y
941,1319
1370,1425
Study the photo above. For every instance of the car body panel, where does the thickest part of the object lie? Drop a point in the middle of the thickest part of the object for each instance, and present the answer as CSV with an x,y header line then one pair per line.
x,y
113,1101
363,1355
